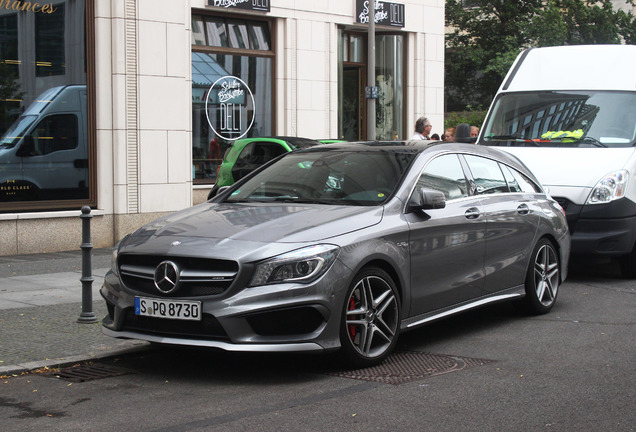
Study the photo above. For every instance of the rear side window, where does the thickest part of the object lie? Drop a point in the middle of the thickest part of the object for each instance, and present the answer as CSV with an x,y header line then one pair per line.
x,y
487,175
513,183
445,174
524,183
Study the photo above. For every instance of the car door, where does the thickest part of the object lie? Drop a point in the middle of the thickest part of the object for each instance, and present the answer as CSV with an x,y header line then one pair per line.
x,y
447,245
512,223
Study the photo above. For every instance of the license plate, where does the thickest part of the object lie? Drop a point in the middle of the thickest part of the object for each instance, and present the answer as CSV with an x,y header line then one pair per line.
x,y
172,309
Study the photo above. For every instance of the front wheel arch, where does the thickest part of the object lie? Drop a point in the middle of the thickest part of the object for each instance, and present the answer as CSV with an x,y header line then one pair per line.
x,y
370,318
543,277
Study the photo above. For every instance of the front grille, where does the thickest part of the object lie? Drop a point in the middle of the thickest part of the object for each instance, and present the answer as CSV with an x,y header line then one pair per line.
x,y
197,276
208,328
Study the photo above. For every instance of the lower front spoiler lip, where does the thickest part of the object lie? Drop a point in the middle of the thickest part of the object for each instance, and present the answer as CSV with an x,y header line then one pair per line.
x,y
290,347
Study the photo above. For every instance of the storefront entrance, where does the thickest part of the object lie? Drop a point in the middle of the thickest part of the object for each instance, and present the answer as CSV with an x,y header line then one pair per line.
x,y
389,74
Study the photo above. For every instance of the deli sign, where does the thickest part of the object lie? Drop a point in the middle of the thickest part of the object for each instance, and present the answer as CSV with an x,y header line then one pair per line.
x,y
253,5
386,13
229,107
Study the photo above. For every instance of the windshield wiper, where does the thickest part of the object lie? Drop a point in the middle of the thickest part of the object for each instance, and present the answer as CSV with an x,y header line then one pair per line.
x,y
591,140
517,138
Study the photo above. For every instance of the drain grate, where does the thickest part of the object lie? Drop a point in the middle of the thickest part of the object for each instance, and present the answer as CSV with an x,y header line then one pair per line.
x,y
88,372
406,366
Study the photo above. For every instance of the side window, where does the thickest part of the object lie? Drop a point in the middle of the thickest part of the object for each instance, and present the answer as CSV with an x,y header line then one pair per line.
x,y
525,184
55,133
445,174
246,154
513,184
487,175
267,151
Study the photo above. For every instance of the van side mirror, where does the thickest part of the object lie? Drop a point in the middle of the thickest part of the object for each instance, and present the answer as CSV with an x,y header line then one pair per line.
x,y
427,199
27,148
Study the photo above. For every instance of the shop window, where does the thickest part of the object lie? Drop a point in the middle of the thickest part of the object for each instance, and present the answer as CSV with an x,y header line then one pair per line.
x,y
44,117
216,121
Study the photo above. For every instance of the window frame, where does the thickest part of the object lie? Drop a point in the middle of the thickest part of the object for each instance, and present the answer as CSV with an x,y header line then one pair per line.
x,y
258,21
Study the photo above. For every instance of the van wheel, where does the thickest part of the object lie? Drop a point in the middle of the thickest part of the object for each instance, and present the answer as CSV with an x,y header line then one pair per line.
x,y
542,279
370,319
628,265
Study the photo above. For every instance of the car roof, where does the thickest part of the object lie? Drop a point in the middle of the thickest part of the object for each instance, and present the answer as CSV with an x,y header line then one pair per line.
x,y
420,146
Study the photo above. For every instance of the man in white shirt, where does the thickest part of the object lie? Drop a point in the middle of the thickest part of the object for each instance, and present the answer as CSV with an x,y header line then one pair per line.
x,y
422,129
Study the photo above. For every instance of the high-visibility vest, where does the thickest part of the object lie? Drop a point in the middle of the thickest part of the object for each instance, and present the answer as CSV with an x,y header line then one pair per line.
x,y
563,135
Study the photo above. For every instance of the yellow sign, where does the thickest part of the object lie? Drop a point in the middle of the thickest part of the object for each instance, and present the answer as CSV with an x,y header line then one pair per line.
x,y
28,6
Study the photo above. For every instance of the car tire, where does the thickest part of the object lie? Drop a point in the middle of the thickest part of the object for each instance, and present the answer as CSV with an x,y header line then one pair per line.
x,y
370,322
628,265
542,279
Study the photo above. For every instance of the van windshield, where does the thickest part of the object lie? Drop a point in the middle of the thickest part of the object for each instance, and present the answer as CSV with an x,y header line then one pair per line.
x,y
562,119
17,130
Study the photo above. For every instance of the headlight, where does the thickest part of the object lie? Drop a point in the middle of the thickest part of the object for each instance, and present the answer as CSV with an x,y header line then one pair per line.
x,y
302,265
113,260
609,188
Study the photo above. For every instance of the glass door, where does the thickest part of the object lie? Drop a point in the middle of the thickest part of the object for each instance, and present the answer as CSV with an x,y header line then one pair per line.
x,y
353,104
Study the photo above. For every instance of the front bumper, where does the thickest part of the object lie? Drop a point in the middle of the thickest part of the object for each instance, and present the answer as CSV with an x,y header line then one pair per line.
x,y
271,318
601,229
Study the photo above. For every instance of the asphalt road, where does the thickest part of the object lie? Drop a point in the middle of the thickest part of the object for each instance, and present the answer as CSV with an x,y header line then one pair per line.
x,y
487,370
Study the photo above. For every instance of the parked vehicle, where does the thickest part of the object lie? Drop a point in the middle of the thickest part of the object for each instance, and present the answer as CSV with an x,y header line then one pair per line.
x,y
342,247
247,154
44,154
576,130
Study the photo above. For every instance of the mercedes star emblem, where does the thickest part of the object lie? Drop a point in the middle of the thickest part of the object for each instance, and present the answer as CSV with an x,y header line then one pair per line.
x,y
167,277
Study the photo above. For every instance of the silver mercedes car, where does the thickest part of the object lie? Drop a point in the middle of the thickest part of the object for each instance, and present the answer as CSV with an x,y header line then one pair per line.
x,y
342,247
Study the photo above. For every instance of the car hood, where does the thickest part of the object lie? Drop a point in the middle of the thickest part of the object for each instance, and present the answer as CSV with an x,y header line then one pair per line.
x,y
567,166
262,223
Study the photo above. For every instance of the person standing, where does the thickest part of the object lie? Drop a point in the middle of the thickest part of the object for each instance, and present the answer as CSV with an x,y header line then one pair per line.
x,y
422,129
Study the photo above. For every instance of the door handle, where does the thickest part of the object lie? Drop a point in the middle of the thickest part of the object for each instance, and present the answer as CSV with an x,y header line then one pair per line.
x,y
523,209
472,213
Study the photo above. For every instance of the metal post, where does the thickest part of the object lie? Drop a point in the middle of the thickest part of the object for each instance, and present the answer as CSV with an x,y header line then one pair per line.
x,y
371,73
87,315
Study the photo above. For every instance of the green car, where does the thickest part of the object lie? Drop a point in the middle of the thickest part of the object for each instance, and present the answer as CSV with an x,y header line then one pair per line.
x,y
247,154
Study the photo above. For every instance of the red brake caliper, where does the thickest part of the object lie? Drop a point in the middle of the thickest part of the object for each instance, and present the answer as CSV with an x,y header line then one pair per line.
x,y
351,327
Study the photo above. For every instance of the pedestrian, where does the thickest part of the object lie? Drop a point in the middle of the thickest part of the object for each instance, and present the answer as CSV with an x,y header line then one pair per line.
x,y
449,134
422,129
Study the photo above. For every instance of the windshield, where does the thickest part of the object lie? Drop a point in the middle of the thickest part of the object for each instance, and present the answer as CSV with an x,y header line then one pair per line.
x,y
563,118
16,131
327,177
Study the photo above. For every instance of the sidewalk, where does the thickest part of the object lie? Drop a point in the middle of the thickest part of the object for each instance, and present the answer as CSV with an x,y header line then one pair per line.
x,y
40,303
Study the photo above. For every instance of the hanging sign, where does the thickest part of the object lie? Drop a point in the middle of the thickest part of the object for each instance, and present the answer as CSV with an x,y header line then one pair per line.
x,y
229,108
386,13
253,5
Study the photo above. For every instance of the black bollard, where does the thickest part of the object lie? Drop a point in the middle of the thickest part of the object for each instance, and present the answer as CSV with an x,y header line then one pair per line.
x,y
87,315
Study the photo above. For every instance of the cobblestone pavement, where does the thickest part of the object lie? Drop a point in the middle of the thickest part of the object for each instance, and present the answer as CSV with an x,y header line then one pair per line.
x,y
40,303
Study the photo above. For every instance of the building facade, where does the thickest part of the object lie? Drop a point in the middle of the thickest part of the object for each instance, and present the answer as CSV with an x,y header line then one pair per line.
x,y
128,105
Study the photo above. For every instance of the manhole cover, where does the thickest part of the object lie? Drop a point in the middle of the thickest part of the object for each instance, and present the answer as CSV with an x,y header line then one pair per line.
x,y
88,372
406,366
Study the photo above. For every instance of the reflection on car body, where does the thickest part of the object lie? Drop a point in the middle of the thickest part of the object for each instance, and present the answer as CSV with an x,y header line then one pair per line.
x,y
341,247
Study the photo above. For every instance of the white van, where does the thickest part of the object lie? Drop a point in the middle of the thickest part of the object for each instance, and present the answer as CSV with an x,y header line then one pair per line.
x,y
575,128
44,153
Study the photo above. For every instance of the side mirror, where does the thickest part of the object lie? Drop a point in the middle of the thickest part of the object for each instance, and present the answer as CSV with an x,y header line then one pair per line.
x,y
427,199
